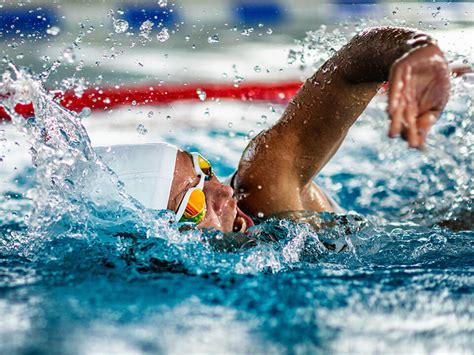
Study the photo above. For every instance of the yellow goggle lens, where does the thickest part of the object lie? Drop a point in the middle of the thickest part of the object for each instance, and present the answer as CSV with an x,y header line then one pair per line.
x,y
195,208
205,166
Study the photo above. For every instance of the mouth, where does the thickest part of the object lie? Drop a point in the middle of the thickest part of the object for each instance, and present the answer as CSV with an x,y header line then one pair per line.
x,y
242,222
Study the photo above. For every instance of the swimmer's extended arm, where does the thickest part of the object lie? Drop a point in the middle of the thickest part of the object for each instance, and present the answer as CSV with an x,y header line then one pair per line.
x,y
276,170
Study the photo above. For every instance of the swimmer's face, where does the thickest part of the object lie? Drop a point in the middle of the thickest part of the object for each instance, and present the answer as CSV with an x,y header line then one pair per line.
x,y
222,211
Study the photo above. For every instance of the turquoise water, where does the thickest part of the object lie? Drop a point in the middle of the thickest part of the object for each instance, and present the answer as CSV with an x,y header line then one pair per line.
x,y
84,269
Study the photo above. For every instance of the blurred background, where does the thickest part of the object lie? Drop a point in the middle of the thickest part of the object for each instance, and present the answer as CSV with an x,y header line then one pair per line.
x,y
90,35
76,45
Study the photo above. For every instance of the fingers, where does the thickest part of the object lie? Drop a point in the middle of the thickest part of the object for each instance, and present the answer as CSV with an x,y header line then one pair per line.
x,y
397,123
403,108
425,122
396,102
460,69
411,113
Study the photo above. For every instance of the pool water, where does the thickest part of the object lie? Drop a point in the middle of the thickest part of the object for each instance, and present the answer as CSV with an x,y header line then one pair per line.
x,y
85,269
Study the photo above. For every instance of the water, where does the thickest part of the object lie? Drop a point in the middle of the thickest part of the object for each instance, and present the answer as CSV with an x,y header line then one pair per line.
x,y
84,268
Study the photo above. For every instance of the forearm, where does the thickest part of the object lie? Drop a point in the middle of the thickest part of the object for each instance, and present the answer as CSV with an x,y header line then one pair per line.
x,y
369,56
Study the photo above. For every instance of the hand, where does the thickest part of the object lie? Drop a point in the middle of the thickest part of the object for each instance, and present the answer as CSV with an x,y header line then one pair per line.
x,y
418,92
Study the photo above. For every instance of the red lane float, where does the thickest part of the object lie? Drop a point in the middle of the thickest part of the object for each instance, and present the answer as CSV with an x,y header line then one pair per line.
x,y
109,97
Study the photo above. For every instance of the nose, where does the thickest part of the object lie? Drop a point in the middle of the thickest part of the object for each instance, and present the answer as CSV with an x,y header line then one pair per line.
x,y
217,193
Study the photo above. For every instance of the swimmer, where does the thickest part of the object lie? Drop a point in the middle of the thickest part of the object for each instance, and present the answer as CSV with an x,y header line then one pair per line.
x,y
276,171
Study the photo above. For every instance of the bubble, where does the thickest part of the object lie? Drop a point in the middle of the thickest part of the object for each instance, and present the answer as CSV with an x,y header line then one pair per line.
x,y
163,35
260,215
269,31
53,30
213,39
120,26
201,94
142,130
162,3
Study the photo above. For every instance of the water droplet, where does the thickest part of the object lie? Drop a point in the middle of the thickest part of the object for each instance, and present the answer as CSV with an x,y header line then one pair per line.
x,y
250,134
145,29
120,26
69,55
187,38
86,112
141,129
269,31
150,114
230,124
291,56
53,30
257,69
213,39
162,3
237,80
247,31
201,94
163,35
260,215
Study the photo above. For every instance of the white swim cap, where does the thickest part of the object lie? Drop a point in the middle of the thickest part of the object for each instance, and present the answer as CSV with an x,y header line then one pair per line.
x,y
146,170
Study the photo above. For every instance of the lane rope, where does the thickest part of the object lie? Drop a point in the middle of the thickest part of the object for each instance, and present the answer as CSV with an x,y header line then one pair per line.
x,y
107,98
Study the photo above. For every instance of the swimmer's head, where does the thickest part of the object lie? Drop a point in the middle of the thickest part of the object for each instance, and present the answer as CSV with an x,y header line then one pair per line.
x,y
159,175
222,211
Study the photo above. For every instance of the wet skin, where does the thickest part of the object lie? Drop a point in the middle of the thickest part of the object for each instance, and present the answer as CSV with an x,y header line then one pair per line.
x,y
276,171
222,211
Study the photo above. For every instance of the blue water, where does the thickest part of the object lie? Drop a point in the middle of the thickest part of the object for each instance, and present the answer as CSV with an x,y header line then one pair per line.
x,y
86,270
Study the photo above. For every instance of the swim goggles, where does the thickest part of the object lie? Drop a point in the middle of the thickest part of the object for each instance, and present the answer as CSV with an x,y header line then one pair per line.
x,y
193,205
